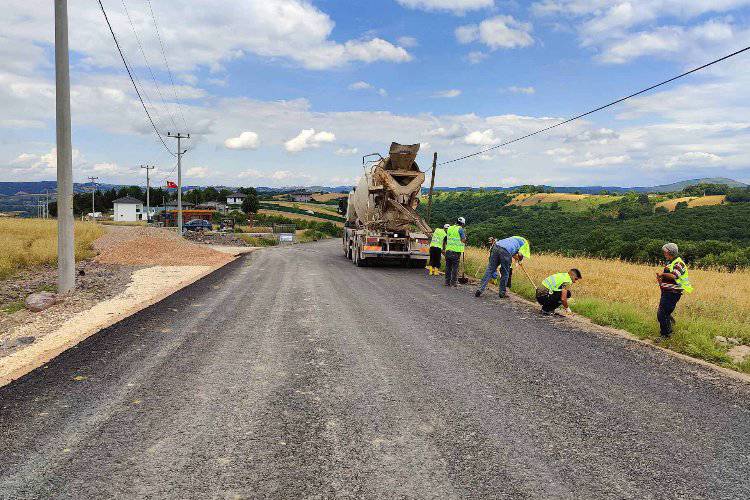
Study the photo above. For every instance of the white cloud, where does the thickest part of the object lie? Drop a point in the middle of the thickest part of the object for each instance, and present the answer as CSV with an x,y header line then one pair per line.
x,y
559,152
694,158
407,41
308,138
382,93
106,168
360,85
346,151
447,94
476,56
249,173
455,6
246,140
603,161
499,32
521,90
481,138
197,173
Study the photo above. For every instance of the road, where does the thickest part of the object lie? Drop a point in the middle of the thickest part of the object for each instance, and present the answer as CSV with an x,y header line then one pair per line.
x,y
292,373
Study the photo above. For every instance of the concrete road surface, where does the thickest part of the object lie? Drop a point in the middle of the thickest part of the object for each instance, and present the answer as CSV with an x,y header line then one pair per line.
x,y
293,374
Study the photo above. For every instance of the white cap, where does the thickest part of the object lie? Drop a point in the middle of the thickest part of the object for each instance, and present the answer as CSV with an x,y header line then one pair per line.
x,y
446,226
461,220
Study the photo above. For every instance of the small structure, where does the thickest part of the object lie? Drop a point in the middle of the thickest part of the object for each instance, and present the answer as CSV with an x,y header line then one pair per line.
x,y
128,209
234,201
172,205
301,196
212,205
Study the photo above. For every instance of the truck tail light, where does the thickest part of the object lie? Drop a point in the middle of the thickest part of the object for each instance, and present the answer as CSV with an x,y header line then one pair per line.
x,y
373,239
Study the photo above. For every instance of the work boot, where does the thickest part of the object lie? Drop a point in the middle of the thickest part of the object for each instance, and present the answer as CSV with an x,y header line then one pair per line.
x,y
478,293
502,295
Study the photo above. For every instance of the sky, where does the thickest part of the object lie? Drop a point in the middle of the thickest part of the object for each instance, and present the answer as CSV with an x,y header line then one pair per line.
x,y
295,92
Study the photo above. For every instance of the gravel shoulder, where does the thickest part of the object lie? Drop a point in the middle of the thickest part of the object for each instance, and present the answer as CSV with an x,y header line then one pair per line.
x,y
291,373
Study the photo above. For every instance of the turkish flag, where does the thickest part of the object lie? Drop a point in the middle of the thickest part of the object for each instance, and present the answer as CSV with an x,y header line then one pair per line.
x,y
171,184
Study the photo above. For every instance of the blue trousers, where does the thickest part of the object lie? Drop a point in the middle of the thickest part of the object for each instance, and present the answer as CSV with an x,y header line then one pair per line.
x,y
498,257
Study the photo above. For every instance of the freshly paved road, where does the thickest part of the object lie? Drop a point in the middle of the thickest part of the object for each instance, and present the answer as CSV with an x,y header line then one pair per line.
x,y
293,374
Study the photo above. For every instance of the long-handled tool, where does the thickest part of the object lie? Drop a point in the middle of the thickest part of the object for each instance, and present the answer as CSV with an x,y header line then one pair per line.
x,y
463,279
527,275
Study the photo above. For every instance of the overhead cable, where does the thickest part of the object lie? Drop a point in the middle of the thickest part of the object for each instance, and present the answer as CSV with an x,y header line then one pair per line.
x,y
130,74
599,108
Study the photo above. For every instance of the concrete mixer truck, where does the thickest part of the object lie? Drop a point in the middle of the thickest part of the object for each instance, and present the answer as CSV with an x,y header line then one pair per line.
x,y
381,217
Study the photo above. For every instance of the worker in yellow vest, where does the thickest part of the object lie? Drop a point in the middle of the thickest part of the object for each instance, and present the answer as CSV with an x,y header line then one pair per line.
x,y
437,247
454,247
673,281
555,291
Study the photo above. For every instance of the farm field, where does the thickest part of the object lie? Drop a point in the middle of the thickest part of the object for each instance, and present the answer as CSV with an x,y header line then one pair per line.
x,y
322,198
568,201
628,298
329,209
693,201
33,242
291,215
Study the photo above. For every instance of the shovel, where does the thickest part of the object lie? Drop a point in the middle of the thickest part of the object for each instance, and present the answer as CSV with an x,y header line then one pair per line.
x,y
527,275
463,279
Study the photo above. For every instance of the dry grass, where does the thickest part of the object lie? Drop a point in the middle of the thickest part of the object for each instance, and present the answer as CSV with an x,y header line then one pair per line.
x,y
329,196
33,242
692,201
292,215
528,200
328,209
625,295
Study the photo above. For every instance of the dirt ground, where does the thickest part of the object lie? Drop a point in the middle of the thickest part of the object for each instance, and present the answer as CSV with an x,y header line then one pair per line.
x,y
122,251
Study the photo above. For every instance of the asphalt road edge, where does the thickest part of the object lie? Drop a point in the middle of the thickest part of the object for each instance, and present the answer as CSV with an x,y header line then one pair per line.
x,y
16,371
587,323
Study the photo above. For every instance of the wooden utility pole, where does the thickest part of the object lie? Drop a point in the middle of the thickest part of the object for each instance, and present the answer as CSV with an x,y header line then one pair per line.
x,y
66,264
432,186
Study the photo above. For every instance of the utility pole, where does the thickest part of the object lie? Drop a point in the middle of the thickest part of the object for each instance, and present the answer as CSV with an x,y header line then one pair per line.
x,y
432,186
93,191
179,136
148,192
66,264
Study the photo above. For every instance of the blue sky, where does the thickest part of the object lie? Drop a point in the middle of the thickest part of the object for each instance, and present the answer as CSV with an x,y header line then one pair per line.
x,y
294,92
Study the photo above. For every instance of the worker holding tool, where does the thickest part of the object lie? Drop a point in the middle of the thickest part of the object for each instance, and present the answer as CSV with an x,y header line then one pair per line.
x,y
454,248
673,281
503,253
555,291
437,247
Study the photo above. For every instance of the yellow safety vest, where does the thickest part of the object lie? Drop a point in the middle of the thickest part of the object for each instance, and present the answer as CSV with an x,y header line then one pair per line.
x,y
438,237
525,249
556,282
454,240
683,281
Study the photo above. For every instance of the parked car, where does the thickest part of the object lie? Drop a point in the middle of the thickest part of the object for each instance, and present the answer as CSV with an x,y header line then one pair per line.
x,y
198,225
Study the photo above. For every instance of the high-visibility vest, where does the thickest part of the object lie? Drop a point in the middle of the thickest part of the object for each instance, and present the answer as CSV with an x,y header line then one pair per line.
x,y
438,237
683,281
556,282
525,249
454,240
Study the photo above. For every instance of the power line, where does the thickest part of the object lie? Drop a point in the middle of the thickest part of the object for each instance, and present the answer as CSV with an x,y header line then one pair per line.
x,y
145,59
599,108
130,74
166,63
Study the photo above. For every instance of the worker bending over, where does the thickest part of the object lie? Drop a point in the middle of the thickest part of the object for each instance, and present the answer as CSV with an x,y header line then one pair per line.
x,y
502,254
454,246
555,291
437,247
673,281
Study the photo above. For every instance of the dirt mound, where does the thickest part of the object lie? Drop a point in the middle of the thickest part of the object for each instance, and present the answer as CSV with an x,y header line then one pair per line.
x,y
147,246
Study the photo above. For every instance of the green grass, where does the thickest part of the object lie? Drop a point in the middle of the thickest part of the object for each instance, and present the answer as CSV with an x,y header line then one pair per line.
x,y
12,307
258,241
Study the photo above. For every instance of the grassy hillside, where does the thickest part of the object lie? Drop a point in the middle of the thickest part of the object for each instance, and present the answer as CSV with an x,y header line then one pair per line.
x,y
630,227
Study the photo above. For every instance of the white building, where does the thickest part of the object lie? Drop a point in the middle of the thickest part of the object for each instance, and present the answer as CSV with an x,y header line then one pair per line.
x,y
128,209
234,201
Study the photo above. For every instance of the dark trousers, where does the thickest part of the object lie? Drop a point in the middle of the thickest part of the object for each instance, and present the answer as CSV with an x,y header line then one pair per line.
x,y
451,267
667,304
435,255
549,301
498,257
